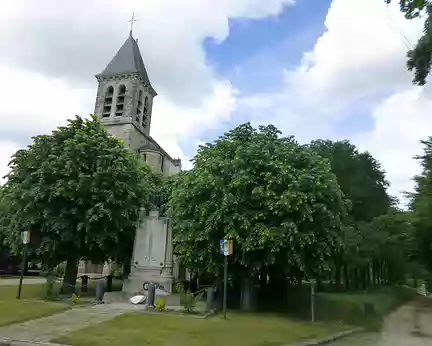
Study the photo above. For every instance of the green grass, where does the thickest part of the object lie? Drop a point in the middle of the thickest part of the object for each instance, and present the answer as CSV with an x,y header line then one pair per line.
x,y
29,291
353,308
360,309
160,330
15,311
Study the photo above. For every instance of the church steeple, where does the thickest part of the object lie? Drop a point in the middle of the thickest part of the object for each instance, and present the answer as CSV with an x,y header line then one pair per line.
x,y
127,60
125,94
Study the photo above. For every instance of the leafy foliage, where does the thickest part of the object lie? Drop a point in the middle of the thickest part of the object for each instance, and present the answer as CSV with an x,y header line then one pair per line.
x,y
422,205
420,57
160,305
278,200
79,191
188,299
359,176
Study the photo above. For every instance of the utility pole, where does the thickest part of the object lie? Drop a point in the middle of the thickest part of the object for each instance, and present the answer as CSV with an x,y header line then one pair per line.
x,y
226,249
26,240
225,287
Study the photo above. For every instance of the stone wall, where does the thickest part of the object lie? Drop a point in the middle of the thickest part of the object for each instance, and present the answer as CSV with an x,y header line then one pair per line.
x,y
133,86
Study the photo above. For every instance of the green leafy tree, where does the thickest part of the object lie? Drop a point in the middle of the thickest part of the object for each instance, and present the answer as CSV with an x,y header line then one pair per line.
x,y
422,206
278,201
360,177
79,191
363,182
419,58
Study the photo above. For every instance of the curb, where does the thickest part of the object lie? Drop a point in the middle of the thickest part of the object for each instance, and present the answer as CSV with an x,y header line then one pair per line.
x,y
9,342
328,339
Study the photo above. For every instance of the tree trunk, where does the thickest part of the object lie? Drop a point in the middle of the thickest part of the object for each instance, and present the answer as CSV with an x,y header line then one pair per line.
x,y
126,270
338,277
263,279
247,295
346,278
70,276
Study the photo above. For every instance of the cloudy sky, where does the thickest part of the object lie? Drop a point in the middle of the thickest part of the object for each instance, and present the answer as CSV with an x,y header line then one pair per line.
x,y
315,68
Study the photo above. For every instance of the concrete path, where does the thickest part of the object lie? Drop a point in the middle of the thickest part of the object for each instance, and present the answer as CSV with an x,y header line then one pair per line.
x,y
48,328
13,282
410,325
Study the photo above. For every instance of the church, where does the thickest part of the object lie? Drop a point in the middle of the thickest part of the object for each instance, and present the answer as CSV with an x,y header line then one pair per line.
x,y
124,105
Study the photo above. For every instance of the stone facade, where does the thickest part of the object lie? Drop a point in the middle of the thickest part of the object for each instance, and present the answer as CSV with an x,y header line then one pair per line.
x,y
130,126
152,258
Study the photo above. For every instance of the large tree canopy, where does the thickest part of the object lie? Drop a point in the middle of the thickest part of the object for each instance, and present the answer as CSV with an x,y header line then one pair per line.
x,y
79,191
360,177
278,200
419,58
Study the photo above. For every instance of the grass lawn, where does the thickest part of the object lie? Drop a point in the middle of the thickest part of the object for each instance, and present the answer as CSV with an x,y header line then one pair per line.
x,y
31,291
160,330
358,308
15,311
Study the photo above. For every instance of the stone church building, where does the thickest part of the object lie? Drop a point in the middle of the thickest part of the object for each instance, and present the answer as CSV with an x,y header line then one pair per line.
x,y
124,104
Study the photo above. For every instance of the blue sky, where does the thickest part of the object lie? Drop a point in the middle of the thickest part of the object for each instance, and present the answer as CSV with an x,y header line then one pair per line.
x,y
315,69
257,51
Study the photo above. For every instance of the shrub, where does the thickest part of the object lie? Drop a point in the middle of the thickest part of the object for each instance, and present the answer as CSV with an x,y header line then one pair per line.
x,y
50,289
188,299
60,270
160,305
75,299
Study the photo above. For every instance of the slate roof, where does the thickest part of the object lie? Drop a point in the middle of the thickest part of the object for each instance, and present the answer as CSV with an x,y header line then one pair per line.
x,y
127,60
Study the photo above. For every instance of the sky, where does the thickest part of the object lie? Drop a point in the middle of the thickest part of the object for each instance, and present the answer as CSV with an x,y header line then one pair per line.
x,y
317,69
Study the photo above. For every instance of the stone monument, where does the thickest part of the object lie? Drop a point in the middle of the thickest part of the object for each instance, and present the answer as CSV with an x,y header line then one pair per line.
x,y
152,258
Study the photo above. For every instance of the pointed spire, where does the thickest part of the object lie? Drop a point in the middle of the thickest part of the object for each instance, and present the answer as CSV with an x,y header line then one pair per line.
x,y
127,60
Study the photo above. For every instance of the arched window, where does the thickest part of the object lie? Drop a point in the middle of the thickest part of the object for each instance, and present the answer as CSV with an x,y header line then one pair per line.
x,y
108,102
146,111
139,107
120,104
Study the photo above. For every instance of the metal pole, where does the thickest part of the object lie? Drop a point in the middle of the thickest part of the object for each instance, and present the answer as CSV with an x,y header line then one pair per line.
x,y
24,261
313,302
225,287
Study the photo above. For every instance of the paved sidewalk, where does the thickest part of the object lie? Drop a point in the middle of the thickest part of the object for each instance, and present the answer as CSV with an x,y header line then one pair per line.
x,y
47,328
12,282
398,330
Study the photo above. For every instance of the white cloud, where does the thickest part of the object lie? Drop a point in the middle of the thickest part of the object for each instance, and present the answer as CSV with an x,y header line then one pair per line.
x,y
401,121
357,67
7,149
50,51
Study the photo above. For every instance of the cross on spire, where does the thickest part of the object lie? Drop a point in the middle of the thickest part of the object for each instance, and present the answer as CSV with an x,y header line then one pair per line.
x,y
132,21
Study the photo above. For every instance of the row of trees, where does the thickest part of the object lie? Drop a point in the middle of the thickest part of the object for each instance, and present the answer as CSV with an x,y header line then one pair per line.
x,y
294,211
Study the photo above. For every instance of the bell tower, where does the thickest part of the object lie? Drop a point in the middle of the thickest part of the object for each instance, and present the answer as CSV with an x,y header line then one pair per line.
x,y
125,95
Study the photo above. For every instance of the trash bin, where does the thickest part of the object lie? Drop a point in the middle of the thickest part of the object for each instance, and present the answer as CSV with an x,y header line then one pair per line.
x,y
210,298
84,283
100,291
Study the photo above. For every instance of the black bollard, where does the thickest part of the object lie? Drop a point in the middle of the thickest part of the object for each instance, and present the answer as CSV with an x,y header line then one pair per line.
x,y
151,294
109,283
100,291
84,283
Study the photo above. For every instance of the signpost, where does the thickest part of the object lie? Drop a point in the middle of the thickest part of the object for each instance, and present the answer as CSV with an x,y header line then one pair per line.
x,y
226,249
25,236
312,285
